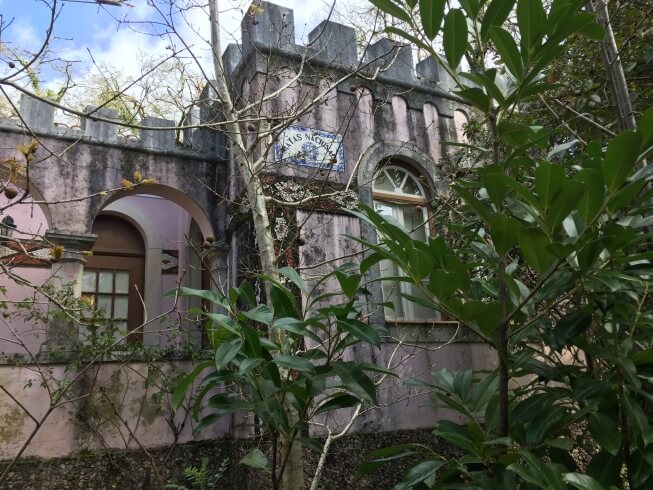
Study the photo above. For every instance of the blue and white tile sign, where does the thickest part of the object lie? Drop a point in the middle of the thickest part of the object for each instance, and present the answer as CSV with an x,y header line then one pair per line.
x,y
310,148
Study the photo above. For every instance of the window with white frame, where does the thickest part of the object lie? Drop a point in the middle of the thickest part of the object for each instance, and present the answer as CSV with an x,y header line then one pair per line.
x,y
399,194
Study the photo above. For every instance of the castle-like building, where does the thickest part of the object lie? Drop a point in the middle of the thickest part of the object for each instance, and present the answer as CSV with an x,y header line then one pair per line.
x,y
118,221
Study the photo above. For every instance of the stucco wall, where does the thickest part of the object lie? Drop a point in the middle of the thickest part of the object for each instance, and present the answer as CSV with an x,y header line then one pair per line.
x,y
108,406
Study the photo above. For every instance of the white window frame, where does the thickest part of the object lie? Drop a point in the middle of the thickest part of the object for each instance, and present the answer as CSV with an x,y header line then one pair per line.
x,y
394,203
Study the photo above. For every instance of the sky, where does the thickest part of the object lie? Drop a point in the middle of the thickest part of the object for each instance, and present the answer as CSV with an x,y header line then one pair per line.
x,y
87,33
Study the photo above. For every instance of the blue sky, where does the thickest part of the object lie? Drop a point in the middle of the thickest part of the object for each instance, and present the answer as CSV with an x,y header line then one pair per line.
x,y
83,29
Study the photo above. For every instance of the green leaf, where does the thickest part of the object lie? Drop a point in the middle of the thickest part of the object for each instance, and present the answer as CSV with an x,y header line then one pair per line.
x,y
571,325
409,37
455,36
295,326
295,363
257,460
355,380
294,277
423,472
487,81
534,247
514,134
606,468
565,201
476,97
486,317
207,421
530,18
348,283
471,7
216,298
360,330
382,456
431,13
606,432
283,301
482,210
582,482
593,31
646,128
248,364
389,7
495,15
224,321
338,401
261,314
421,263
226,353
503,231
549,179
312,444
625,195
537,472
592,201
184,383
507,49
636,416
621,158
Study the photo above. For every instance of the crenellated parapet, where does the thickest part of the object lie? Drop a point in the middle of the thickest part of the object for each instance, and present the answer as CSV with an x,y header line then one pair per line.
x,y
102,126
270,29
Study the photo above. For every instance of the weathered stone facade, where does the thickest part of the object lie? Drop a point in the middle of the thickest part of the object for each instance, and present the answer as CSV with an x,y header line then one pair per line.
x,y
384,109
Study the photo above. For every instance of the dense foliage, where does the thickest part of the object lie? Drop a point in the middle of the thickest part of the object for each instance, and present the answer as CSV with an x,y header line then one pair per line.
x,y
285,365
550,265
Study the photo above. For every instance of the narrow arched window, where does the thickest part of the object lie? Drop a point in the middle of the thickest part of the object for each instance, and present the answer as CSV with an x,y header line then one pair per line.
x,y
400,195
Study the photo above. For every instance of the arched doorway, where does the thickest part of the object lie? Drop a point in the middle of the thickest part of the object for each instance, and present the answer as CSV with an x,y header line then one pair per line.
x,y
114,275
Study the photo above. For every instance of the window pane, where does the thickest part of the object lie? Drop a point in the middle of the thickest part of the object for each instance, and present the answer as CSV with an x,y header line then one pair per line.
x,y
383,209
391,289
122,282
120,304
396,175
411,187
104,304
414,217
382,183
420,312
105,284
88,281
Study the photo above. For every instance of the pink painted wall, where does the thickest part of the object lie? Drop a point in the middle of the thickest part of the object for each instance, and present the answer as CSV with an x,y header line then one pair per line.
x,y
117,410
20,334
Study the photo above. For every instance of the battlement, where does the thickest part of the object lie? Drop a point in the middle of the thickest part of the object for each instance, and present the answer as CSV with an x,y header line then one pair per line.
x,y
155,134
270,28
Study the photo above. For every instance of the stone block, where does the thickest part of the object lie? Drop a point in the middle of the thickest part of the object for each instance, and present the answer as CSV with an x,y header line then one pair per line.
x,y
36,114
100,130
334,43
192,119
268,26
208,104
428,71
394,59
231,59
158,139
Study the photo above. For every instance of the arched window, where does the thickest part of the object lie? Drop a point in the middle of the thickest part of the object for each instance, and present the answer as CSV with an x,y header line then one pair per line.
x,y
113,279
399,195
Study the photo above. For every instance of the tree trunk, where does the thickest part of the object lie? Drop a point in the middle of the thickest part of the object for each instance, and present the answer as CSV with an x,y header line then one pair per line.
x,y
614,69
293,472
